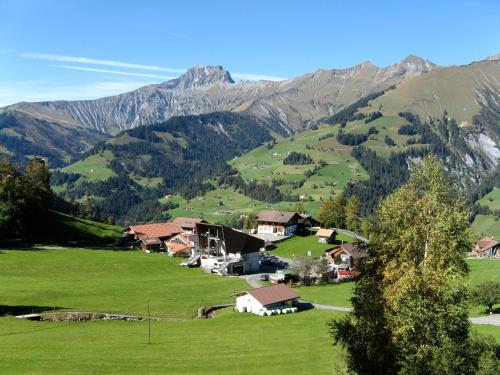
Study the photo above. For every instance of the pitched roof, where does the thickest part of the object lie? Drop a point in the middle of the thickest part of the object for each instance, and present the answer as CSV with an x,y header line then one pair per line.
x,y
178,247
151,241
155,230
282,217
187,222
235,241
322,232
269,295
486,243
353,250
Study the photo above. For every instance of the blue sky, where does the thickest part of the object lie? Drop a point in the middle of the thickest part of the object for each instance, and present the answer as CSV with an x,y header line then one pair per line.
x,y
88,49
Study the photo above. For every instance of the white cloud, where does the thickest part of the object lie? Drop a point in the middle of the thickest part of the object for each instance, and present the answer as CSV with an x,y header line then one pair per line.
x,y
91,61
256,77
33,91
119,72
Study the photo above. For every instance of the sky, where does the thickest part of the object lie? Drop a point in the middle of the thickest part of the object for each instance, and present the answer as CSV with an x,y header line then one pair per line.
x,y
65,50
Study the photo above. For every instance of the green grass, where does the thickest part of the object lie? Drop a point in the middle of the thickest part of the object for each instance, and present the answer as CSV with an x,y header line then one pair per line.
x,y
338,294
491,200
61,229
298,246
93,168
109,281
486,225
232,343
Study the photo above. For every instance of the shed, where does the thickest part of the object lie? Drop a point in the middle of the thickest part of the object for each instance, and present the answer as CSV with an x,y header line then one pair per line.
x,y
326,235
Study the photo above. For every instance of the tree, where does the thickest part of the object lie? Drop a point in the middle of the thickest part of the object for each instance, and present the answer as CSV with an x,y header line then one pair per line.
x,y
331,212
304,267
250,221
487,294
352,209
410,301
299,207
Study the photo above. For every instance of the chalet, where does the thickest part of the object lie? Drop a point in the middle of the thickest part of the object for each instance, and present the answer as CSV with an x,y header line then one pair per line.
x,y
278,223
487,247
274,299
343,258
326,235
310,221
188,224
227,251
151,237
183,245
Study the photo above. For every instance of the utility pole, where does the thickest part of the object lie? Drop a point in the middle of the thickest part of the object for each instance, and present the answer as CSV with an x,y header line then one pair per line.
x,y
149,325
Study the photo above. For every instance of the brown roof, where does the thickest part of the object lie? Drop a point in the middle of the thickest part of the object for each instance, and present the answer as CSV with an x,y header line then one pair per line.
x,y
235,241
187,222
178,247
151,241
486,243
158,230
273,294
282,217
322,232
353,250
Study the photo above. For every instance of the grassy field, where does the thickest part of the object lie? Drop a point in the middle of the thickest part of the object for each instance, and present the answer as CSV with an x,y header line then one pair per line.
x,y
121,281
486,225
94,168
491,200
108,281
62,229
298,246
232,343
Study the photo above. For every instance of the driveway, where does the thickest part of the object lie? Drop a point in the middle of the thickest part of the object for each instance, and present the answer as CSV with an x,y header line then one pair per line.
x,y
492,320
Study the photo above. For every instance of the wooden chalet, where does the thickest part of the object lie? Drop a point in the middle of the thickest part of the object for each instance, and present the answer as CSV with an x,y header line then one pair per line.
x,y
326,235
151,237
487,247
188,224
279,223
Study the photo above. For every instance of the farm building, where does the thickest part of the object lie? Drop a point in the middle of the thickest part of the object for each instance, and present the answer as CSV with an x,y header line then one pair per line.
x,y
279,223
326,235
227,251
183,245
270,299
152,236
309,221
188,224
487,247
343,258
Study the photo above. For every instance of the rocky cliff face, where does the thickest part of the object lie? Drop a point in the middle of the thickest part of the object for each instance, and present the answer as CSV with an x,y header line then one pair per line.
x,y
210,88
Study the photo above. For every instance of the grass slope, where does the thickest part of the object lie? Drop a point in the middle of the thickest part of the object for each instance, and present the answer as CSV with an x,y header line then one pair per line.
x,y
109,281
61,229
486,225
491,200
93,168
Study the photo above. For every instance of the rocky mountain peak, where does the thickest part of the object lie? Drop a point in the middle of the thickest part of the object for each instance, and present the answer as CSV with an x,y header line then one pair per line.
x,y
416,64
494,57
198,76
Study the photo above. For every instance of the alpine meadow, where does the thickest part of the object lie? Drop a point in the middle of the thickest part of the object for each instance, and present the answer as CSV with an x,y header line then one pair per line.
x,y
327,201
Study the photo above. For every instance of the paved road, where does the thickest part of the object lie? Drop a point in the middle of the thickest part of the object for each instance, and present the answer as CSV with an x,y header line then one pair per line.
x,y
492,320
254,281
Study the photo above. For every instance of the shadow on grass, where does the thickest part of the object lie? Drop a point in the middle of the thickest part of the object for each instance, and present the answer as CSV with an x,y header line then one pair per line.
x,y
6,310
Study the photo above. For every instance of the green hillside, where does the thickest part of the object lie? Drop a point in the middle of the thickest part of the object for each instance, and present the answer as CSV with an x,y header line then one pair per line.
x,y
455,89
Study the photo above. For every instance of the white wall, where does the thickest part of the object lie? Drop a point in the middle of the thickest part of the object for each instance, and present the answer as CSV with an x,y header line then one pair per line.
x,y
246,303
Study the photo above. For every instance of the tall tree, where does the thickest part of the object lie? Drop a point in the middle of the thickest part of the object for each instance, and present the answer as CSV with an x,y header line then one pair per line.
x,y
410,304
352,209
331,212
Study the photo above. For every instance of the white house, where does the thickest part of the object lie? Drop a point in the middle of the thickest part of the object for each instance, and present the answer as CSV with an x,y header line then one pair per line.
x,y
268,300
278,223
227,251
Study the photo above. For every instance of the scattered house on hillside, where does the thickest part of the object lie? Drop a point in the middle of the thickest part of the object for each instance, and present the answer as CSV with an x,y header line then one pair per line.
x,y
183,245
326,235
278,223
343,259
487,247
188,224
269,300
309,221
227,251
151,237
